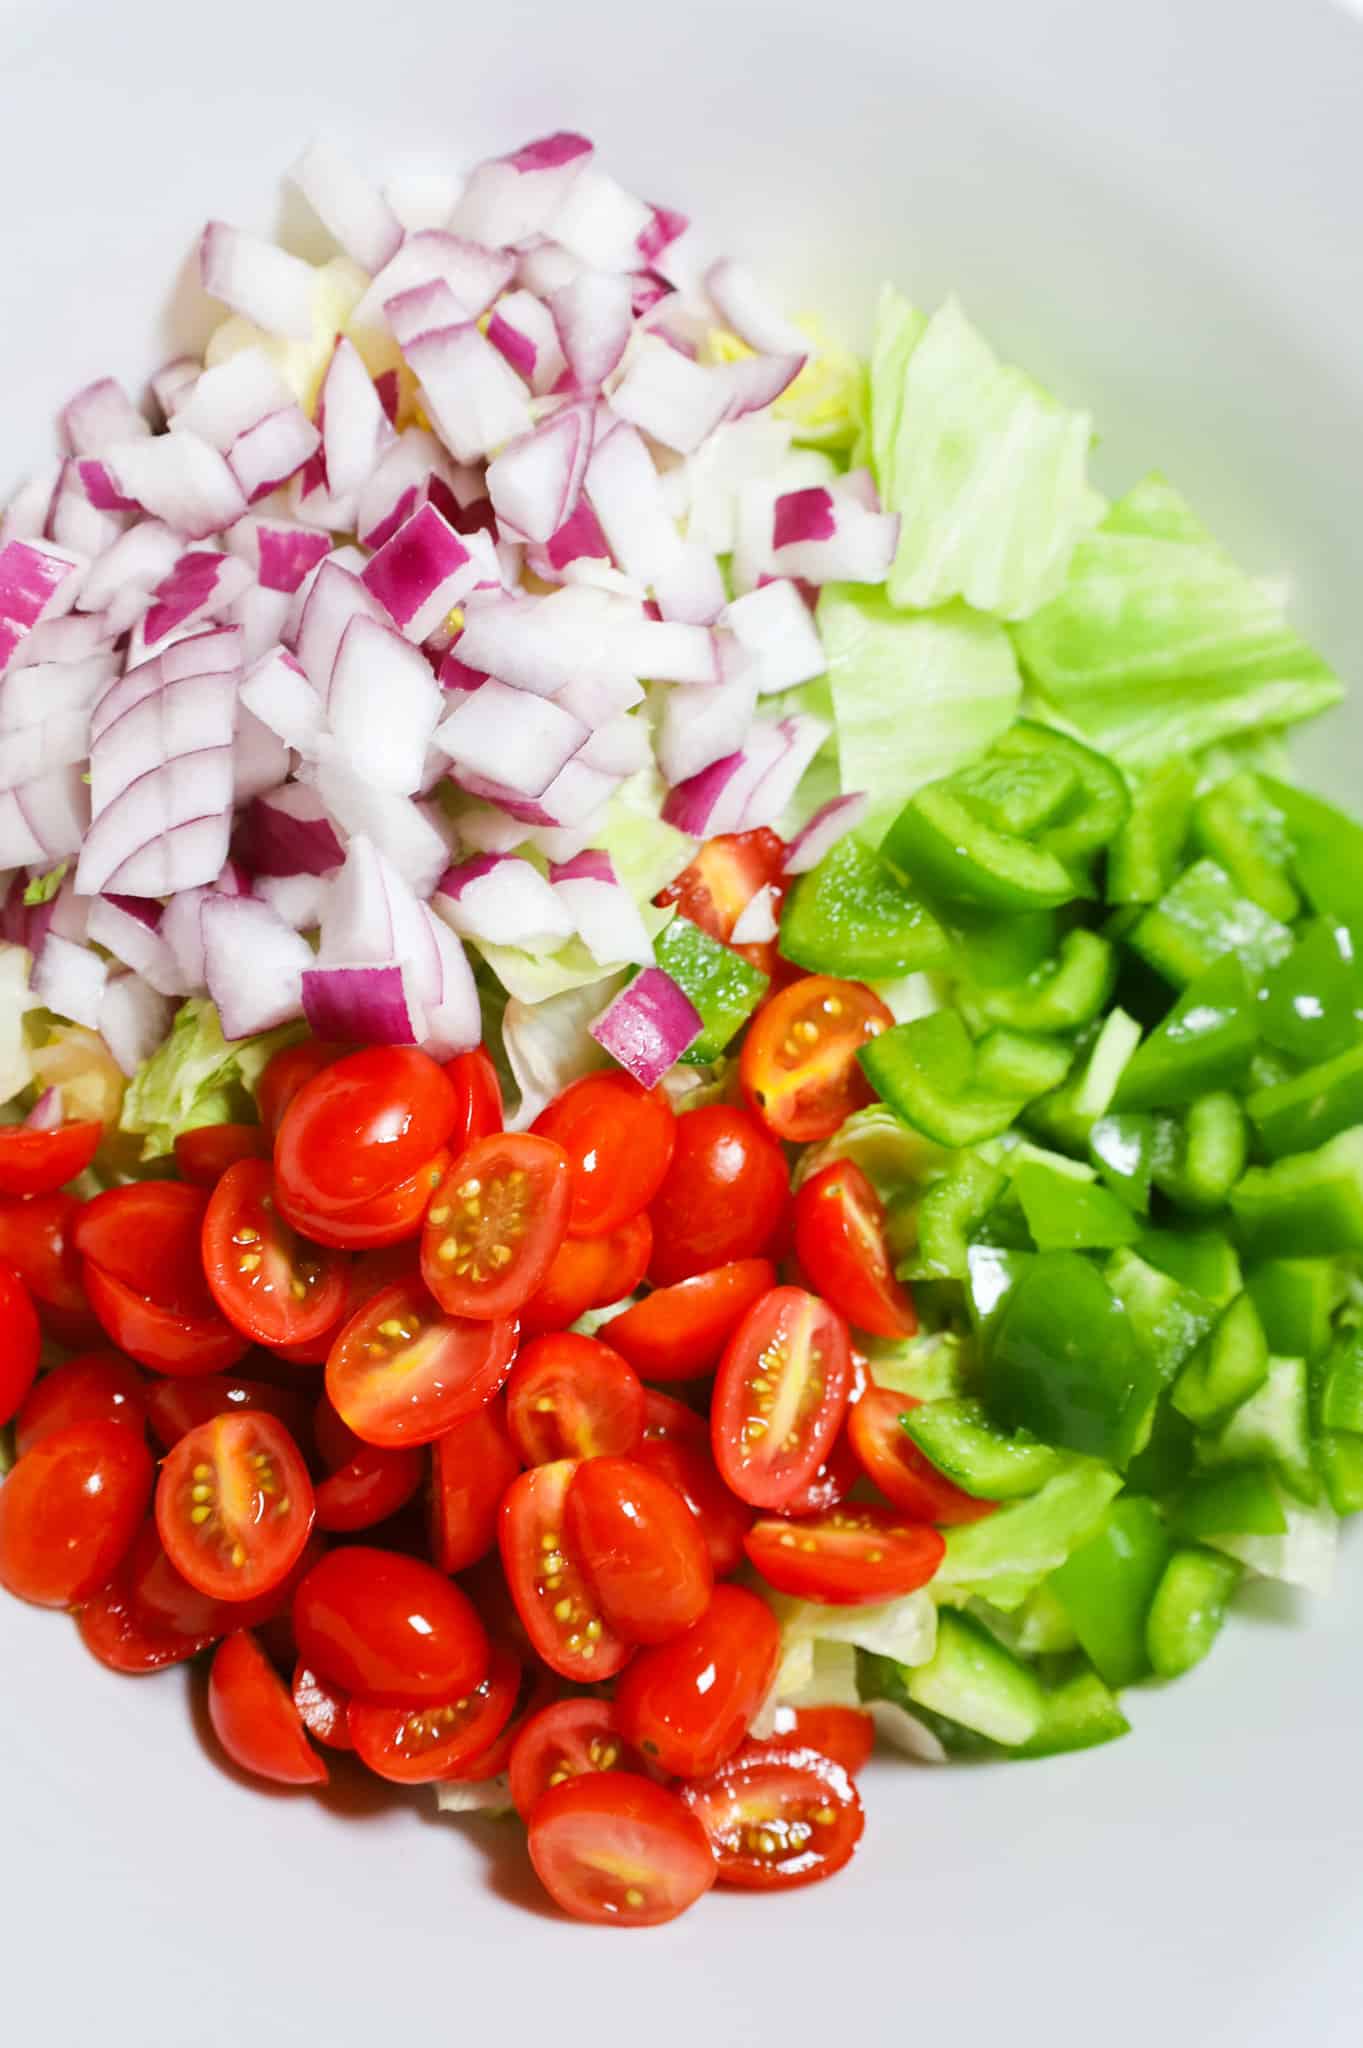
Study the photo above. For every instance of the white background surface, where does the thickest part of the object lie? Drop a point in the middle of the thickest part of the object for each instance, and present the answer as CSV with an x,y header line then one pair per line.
x,y
1156,208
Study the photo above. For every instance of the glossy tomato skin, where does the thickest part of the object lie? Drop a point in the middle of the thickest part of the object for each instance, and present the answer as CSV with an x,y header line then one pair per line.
x,y
267,1285
725,1197
322,1708
479,1095
147,1235
255,1719
174,1407
423,1742
722,880
618,1138
286,1073
21,1342
360,1127
780,1396
39,1162
539,1687
234,1505
845,1734
894,1463
98,1386
119,1636
687,1466
840,1243
204,1155
36,1239
799,1066
569,1739
495,1223
160,1338
619,1850
552,1592
641,1548
852,1556
571,1397
828,1485
368,1488
777,1816
403,1371
679,1332
589,1272
688,1704
389,1627
392,1218
472,1465
69,1511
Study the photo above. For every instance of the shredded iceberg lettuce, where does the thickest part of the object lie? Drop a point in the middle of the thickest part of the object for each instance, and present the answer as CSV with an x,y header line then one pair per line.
x,y
197,1078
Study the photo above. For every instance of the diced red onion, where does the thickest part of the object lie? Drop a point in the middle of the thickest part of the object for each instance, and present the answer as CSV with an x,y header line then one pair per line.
x,y
121,931
600,223
742,305
259,758
422,199
538,643
801,738
96,480
70,980
278,550
474,275
258,280
690,587
335,599
598,696
510,736
277,691
736,453
751,787
648,1026
422,309
353,212
421,573
502,900
675,401
173,382
754,558
604,915
201,583
26,514
180,479
355,428
576,793
511,198
703,724
619,747
138,559
475,398
825,534
38,581
254,964
536,482
231,398
133,1020
306,500
269,453
45,716
579,538
300,900
287,832
44,820
664,226
523,328
774,628
361,1005
830,823
454,1018
47,1113
754,382
399,828
544,267
79,526
756,923
99,416
383,705
626,497
594,316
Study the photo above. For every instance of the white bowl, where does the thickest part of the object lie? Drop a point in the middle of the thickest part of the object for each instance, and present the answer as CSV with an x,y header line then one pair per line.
x,y
1155,207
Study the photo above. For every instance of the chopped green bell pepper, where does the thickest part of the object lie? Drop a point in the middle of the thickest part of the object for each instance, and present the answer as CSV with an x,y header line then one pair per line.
x,y
1229,1366
1077,1712
927,1072
1308,1205
1098,802
1145,855
1167,1319
1065,1214
1203,1259
1295,1299
1002,1558
991,1276
949,1213
1200,1156
1303,1112
1205,1043
942,845
1107,1586
1188,1609
1020,1064
1272,1427
723,987
972,1680
958,1438
1238,826
1339,1385
1339,1459
850,917
1168,1460
1202,918
1308,1005
1240,1501
1067,991
1326,850
1123,1149
1060,1360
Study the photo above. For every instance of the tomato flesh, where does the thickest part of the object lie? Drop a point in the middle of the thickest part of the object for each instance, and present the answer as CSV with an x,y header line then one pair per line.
x,y
97,1387
589,1272
322,1708
420,1744
472,1465
255,1719
850,1557
360,1127
780,1396
618,1138
21,1342
687,1704
403,1371
569,1739
34,1162
495,1223
725,1196
268,1285
641,1549
617,1849
234,1505
799,1067
69,1511
722,880
679,1332
840,1243
389,1627
777,1816
547,1582
572,1397
893,1462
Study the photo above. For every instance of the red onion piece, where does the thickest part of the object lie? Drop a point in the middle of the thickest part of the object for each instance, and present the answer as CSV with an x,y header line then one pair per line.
x,y
231,398
26,514
774,628
254,964
536,481
47,1113
78,525
594,316
279,551
474,275
675,401
37,581
422,309
353,212
117,927
277,691
830,823
511,198
133,1020
180,479
355,428
257,280
523,328
600,223
503,900
421,573
138,560
604,915
383,705
173,383
742,305
664,226
510,736
201,583
704,724
800,739
69,980
454,1018
402,831
272,451
826,534
756,923
362,1005
648,1027
287,832
474,397
99,416
335,599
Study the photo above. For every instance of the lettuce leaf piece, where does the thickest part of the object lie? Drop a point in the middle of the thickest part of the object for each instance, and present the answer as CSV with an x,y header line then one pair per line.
x,y
1304,1555
915,696
198,1078
987,471
546,1042
538,977
1159,645
1004,1558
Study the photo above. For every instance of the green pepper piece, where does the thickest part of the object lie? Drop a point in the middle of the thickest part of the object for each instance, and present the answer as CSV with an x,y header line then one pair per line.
x,y
1168,1460
1144,857
1078,1712
1020,1064
724,988
1123,1150
1020,797
1167,1319
1201,919
940,844
1227,1368
1326,850
1313,1106
1309,1204
926,1072
994,951
1308,1003
1272,1427
1339,1386
958,1438
1238,826
1204,1043
1295,1299
1099,802
1060,1360
991,1276
949,1213
971,1679
850,917
1107,1061
1065,1214
1068,991
1058,1122
1203,1260
1242,1500
1002,1557
1188,1609
1107,1586
1339,1459
1200,1156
